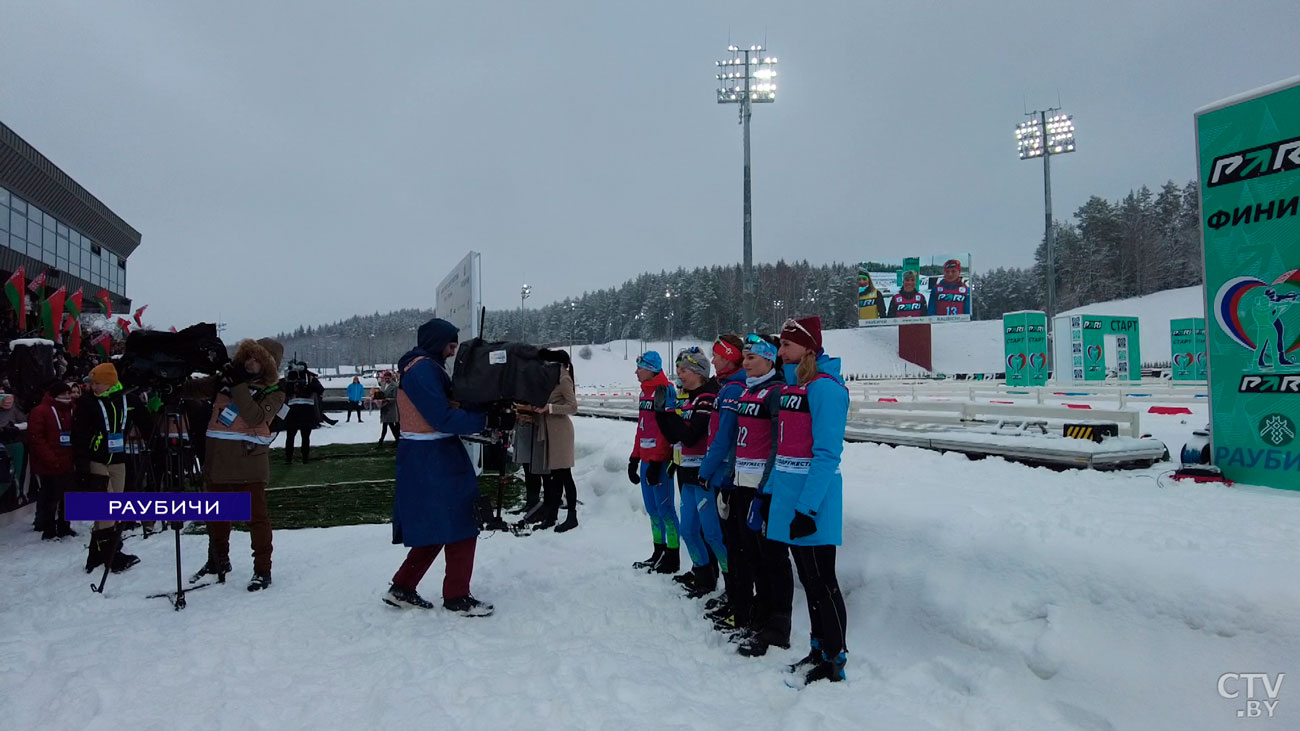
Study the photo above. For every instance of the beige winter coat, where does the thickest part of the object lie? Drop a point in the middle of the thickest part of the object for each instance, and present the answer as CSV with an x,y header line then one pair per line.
x,y
559,428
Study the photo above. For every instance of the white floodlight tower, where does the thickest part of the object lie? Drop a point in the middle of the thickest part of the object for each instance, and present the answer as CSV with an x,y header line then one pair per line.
x,y
1044,136
747,78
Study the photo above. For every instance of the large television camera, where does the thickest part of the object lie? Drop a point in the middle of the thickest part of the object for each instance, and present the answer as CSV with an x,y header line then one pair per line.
x,y
162,361
493,376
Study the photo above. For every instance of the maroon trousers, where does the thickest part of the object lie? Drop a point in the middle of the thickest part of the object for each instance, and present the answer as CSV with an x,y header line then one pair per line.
x,y
460,566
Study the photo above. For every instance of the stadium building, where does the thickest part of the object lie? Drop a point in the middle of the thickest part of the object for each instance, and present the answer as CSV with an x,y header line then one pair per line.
x,y
50,224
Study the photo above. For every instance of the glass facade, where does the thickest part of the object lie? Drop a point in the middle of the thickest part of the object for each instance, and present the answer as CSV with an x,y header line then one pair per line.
x,y
28,230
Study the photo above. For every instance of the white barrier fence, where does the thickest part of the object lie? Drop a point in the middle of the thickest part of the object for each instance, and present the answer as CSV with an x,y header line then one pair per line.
x,y
925,414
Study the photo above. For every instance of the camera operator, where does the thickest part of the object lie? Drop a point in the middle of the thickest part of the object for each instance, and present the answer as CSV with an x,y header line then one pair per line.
x,y
247,396
99,424
302,389
433,508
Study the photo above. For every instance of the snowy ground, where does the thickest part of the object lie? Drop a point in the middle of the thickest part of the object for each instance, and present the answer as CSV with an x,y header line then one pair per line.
x,y
980,595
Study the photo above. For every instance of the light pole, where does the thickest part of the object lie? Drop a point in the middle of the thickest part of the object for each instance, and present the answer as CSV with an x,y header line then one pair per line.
x,y
776,314
747,78
573,324
668,295
524,293
1044,136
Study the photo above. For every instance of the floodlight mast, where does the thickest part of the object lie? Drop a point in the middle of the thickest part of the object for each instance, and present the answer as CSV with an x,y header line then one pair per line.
x,y
1043,137
747,78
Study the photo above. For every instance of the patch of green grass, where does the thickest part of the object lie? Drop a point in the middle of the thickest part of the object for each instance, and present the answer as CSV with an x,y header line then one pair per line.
x,y
347,484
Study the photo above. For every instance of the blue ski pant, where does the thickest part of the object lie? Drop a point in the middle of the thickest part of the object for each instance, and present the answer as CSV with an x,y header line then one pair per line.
x,y
659,505
701,529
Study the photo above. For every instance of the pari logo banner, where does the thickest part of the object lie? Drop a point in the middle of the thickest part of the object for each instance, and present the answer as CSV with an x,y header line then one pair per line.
x,y
915,290
1187,348
1091,340
1248,152
1025,344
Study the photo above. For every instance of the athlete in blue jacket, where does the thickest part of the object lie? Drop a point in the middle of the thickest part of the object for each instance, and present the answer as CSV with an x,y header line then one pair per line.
x,y
806,488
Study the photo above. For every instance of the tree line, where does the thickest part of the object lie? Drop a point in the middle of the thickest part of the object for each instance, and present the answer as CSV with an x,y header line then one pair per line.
x,y
1143,243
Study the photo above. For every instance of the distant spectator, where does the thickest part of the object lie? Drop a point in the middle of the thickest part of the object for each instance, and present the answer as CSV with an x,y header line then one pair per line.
x,y
356,392
49,436
388,412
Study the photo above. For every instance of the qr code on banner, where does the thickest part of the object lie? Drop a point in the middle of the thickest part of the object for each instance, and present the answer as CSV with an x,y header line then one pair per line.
x,y
1076,322
1078,373
1077,348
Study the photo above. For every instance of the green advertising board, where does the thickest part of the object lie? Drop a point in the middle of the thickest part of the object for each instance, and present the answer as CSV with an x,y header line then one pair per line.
x,y
1248,152
1085,349
1187,349
1024,339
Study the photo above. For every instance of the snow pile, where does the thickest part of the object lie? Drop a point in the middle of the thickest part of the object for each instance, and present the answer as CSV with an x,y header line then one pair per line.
x,y
980,595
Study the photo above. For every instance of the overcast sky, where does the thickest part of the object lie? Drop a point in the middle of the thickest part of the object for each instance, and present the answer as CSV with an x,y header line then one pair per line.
x,y
299,162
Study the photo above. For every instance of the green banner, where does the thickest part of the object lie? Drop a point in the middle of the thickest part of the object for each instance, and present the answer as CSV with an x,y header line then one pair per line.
x,y
1024,338
1249,165
1015,336
1187,348
1089,336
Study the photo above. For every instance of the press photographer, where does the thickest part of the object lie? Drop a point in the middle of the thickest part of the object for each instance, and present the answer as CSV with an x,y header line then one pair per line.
x,y
302,390
246,398
434,505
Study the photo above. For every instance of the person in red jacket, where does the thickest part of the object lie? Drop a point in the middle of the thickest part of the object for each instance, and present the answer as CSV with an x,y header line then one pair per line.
x,y
49,426
648,466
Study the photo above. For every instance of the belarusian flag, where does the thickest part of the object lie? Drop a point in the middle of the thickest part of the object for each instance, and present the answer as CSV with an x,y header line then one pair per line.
x,y
37,287
105,345
74,335
125,324
106,302
138,313
74,303
15,288
52,313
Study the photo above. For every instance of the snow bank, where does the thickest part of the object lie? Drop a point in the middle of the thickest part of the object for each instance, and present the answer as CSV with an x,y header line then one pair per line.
x,y
980,595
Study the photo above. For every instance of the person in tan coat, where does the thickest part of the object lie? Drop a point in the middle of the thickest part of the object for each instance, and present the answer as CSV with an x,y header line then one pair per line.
x,y
559,447
246,398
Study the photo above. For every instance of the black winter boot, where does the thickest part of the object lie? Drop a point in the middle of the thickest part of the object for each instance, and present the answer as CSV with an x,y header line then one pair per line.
x,y
569,523
826,668
645,565
121,561
218,567
706,582
670,562
101,544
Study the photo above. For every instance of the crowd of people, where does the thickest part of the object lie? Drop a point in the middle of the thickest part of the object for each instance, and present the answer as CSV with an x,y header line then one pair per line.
x,y
738,460
753,443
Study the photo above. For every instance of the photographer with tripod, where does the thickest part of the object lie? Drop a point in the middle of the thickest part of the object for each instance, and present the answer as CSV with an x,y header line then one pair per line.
x,y
99,425
246,397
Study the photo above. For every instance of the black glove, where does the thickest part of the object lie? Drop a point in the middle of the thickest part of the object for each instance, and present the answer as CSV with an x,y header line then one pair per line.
x,y
634,471
802,525
672,469
661,398
654,473
501,420
764,505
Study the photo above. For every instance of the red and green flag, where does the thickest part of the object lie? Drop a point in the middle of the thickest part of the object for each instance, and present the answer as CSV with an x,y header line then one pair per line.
x,y
74,304
124,324
103,345
106,302
52,313
37,287
15,288
74,335
138,313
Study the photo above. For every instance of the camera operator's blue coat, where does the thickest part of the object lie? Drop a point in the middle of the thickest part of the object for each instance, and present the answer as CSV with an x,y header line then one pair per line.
x,y
436,484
